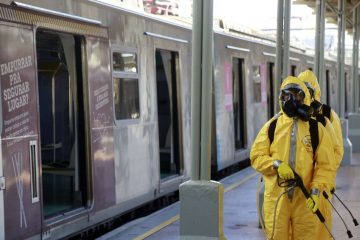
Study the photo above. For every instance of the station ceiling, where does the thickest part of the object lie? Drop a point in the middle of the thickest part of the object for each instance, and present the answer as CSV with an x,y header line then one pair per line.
x,y
332,10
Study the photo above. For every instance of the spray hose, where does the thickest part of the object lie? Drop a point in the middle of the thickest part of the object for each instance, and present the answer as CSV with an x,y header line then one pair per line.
x,y
260,211
297,182
277,201
352,216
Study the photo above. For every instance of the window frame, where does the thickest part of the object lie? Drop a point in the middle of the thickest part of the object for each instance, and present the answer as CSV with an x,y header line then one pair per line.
x,y
128,75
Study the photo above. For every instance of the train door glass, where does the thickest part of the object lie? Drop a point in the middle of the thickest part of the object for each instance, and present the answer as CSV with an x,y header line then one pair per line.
x,y
346,90
169,112
270,89
293,70
238,102
328,94
61,122
358,79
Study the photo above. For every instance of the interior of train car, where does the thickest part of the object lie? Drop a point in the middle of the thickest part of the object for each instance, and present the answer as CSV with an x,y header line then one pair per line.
x,y
169,112
61,106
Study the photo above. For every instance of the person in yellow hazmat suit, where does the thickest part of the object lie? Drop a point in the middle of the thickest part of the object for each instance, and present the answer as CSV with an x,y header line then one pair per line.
x,y
335,133
291,150
323,109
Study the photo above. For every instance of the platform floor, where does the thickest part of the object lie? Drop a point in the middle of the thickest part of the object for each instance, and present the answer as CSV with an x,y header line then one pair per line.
x,y
240,211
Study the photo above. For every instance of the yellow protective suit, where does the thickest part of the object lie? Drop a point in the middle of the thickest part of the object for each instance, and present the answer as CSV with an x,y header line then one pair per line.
x,y
309,76
292,213
333,126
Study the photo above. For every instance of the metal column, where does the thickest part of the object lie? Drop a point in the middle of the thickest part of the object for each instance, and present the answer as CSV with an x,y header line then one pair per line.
x,y
354,116
201,200
196,89
357,83
286,62
319,40
282,63
201,106
341,57
206,93
341,83
355,60
279,51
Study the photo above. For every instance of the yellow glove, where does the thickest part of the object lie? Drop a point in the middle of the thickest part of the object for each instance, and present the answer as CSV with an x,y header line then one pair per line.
x,y
285,172
313,202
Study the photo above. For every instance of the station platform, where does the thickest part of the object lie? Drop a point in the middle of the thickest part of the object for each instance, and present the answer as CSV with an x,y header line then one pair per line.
x,y
240,210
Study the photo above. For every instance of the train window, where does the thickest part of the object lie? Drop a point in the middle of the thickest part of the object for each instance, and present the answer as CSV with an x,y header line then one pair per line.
x,y
124,62
34,173
126,84
256,83
126,98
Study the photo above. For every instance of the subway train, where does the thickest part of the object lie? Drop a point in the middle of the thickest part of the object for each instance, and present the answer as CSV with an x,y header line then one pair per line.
x,y
96,110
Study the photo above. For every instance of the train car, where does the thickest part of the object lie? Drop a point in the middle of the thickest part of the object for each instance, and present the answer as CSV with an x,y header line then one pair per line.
x,y
95,114
96,111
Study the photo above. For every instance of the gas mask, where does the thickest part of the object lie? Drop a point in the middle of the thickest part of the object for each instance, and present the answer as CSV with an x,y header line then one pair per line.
x,y
292,99
316,105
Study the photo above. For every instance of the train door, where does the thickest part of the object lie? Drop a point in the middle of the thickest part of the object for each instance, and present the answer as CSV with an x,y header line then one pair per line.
x,y
346,90
328,85
293,70
270,89
62,123
169,112
238,70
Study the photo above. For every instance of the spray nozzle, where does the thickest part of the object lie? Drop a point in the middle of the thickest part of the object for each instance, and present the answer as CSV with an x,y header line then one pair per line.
x,y
355,222
326,196
354,219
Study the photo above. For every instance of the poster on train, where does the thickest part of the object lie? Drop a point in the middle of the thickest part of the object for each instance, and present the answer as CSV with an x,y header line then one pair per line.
x,y
19,127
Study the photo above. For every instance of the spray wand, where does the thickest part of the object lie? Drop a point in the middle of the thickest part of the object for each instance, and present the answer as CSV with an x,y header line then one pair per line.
x,y
300,184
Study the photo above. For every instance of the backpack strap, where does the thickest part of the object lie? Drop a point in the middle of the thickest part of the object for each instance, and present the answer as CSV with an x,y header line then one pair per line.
x,y
326,111
313,129
321,118
314,134
271,130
